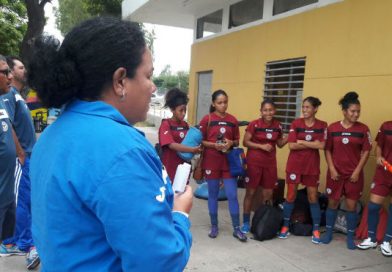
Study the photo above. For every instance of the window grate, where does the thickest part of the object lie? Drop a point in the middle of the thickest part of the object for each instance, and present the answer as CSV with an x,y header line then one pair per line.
x,y
283,84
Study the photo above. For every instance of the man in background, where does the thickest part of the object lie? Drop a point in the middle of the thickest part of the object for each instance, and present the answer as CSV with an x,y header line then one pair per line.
x,y
21,242
7,159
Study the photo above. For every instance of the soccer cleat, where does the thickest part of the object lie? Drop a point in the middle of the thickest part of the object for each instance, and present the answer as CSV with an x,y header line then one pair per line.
x,y
213,232
316,237
32,259
284,233
386,249
9,250
366,244
245,227
239,235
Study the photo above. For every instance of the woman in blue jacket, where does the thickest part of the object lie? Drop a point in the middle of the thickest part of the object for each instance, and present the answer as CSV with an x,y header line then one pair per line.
x,y
99,195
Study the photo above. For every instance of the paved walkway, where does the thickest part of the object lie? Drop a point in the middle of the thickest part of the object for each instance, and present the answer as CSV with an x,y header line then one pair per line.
x,y
226,254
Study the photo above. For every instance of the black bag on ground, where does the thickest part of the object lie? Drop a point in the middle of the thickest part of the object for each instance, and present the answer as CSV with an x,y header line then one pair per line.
x,y
266,222
301,220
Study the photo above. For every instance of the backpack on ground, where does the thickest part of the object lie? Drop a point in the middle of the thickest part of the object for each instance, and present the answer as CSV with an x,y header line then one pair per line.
x,y
301,220
266,222
341,221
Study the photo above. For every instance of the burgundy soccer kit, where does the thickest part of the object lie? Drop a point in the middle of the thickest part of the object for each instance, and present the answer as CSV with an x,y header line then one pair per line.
x,y
262,169
213,127
303,166
382,181
346,146
170,132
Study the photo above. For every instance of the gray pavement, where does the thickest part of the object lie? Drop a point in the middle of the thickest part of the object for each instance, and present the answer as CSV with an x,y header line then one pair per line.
x,y
226,254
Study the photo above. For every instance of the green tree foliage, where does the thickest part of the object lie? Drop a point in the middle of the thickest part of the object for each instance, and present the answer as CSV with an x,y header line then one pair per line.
x,y
73,12
13,26
70,13
167,80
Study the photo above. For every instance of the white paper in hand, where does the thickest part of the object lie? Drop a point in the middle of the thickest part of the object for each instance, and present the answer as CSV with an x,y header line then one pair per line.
x,y
181,177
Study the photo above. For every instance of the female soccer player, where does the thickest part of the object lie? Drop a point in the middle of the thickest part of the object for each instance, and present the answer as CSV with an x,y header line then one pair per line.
x,y
381,188
347,151
306,138
220,133
173,130
261,138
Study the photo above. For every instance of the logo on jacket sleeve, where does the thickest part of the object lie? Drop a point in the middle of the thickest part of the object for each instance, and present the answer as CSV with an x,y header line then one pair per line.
x,y
4,126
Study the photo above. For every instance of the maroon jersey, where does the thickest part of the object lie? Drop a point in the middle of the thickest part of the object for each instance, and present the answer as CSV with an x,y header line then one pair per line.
x,y
171,132
346,145
384,141
263,133
228,128
305,161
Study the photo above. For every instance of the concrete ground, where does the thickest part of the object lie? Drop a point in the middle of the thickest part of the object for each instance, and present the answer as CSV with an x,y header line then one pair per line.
x,y
226,254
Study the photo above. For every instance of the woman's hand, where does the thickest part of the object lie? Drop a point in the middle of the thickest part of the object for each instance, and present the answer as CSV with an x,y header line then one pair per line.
x,y
228,144
354,176
183,202
266,147
197,149
380,161
334,174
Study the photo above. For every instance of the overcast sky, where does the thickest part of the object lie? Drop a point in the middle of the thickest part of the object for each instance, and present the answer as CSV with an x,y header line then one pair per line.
x,y
172,45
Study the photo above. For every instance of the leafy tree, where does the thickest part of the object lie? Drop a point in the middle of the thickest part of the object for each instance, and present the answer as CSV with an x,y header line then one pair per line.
x,y
13,26
73,12
167,80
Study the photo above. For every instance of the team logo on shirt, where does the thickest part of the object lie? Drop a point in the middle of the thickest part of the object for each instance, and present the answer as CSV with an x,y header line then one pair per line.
x,y
246,179
4,126
182,135
222,130
166,132
372,185
308,137
329,191
345,140
269,136
293,176
208,172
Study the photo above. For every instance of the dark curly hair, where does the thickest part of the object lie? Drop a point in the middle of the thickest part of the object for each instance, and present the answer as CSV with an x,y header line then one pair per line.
x,y
175,97
85,62
314,101
349,99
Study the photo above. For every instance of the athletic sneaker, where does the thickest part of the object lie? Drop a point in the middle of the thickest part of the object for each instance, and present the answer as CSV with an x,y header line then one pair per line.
x,y
239,235
8,250
32,259
213,232
316,237
366,244
245,227
386,249
284,233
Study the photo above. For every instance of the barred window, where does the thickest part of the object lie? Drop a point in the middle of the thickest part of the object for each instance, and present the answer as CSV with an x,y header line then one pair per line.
x,y
284,85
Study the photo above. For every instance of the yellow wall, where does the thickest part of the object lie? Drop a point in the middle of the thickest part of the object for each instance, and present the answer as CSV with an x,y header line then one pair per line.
x,y
347,45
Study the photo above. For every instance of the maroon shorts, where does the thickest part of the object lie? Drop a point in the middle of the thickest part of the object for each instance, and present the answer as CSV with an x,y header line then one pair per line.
x,y
266,177
217,174
306,180
382,183
343,187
